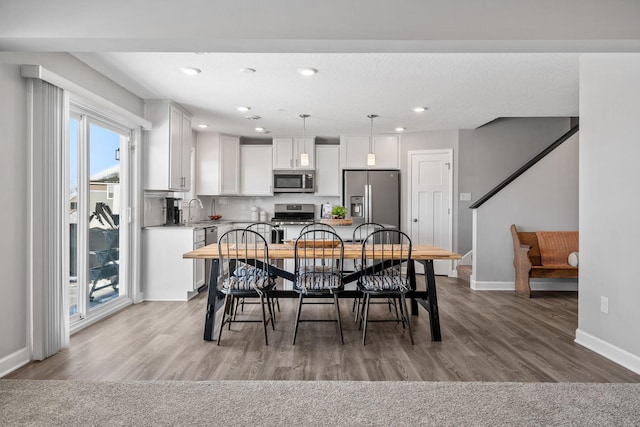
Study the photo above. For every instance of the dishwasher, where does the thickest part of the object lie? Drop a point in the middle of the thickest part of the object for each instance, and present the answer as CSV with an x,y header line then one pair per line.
x,y
210,238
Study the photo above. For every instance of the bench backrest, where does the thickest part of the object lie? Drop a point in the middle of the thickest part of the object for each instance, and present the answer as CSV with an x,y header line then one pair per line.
x,y
557,244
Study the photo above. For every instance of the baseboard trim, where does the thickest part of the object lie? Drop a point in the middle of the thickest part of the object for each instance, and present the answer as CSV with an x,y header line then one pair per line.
x,y
545,285
14,361
610,351
491,286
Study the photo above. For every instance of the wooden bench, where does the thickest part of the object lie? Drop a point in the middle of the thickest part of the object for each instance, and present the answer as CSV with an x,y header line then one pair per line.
x,y
542,254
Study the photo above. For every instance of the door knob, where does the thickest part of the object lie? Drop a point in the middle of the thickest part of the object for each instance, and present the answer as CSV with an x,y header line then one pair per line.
x,y
415,219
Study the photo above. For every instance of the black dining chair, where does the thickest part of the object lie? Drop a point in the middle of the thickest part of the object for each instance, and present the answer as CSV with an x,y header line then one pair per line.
x,y
360,233
271,234
318,226
244,272
384,252
318,255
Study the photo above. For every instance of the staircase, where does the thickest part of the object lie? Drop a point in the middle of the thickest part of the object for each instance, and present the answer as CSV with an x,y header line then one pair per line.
x,y
464,272
464,267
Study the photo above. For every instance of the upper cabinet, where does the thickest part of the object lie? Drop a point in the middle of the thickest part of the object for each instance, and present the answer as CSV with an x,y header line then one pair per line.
x,y
327,170
256,170
167,163
287,153
217,164
354,150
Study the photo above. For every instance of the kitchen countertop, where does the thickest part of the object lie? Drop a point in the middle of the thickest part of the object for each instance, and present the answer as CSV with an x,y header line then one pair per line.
x,y
194,225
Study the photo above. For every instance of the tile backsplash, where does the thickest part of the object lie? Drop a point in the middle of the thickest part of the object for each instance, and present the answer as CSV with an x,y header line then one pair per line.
x,y
232,208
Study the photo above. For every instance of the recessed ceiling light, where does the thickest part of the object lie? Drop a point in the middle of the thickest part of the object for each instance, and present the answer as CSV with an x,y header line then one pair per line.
x,y
252,117
191,71
399,129
203,125
243,109
307,71
419,109
262,130
247,70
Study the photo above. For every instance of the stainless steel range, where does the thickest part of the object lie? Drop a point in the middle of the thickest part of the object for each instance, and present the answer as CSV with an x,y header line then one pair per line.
x,y
293,214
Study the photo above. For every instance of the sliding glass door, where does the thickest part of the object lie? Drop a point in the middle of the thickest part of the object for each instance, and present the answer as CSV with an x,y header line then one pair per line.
x,y
98,197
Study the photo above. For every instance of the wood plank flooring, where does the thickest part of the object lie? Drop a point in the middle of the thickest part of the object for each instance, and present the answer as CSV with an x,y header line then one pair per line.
x,y
486,336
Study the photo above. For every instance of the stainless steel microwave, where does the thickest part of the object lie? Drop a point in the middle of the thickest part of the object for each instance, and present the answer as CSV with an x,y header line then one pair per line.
x,y
294,181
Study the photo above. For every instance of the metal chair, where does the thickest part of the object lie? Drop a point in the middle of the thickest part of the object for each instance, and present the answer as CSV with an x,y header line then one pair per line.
x,y
318,255
360,233
244,272
318,226
271,235
266,230
383,253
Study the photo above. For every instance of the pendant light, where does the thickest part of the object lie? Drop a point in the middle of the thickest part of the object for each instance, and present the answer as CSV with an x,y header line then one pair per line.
x,y
304,156
371,157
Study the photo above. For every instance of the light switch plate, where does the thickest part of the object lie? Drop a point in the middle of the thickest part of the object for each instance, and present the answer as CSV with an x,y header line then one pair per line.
x,y
465,197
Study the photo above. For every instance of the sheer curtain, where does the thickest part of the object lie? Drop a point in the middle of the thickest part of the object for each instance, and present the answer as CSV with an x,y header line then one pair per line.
x,y
47,234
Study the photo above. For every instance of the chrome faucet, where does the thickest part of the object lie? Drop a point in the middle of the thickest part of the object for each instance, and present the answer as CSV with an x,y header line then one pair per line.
x,y
189,219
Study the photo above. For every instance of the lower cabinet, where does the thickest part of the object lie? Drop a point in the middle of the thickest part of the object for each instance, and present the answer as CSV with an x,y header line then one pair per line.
x,y
166,276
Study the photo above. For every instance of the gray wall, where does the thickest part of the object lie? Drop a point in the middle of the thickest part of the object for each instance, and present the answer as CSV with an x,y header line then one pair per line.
x,y
492,152
609,226
14,173
545,197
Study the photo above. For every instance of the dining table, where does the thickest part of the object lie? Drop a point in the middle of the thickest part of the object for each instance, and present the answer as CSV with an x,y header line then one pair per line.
x,y
423,254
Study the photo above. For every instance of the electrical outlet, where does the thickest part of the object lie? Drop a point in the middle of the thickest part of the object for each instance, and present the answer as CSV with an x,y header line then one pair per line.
x,y
604,305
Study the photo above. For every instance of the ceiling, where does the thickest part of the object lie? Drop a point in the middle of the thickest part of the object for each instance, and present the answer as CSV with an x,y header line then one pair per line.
x,y
468,62
461,91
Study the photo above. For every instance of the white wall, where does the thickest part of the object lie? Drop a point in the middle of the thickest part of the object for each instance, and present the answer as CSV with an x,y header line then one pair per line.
x,y
609,205
14,173
543,198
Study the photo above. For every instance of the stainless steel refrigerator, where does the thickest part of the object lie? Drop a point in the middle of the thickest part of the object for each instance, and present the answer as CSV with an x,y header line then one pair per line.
x,y
372,196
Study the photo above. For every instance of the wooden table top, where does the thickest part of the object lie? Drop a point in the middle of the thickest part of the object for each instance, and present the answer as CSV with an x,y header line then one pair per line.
x,y
351,251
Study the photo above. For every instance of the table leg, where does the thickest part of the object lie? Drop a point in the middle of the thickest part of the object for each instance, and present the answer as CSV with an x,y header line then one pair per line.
x,y
412,282
214,302
434,316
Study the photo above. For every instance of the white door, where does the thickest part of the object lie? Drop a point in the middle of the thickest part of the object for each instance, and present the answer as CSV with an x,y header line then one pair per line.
x,y
431,201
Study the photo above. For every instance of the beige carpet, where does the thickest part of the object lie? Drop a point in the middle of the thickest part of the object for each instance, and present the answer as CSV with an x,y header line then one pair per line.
x,y
324,403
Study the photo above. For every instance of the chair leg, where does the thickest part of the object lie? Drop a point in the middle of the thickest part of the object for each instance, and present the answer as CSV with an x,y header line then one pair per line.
x,y
361,310
264,320
234,307
295,330
404,303
224,313
232,312
335,302
403,317
271,312
395,305
365,309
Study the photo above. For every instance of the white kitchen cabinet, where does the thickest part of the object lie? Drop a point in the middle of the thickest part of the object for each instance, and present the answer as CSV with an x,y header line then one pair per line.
x,y
256,170
287,151
167,160
354,150
217,164
166,276
327,170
